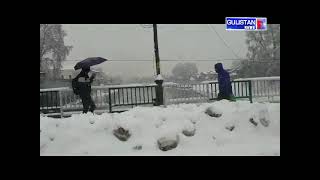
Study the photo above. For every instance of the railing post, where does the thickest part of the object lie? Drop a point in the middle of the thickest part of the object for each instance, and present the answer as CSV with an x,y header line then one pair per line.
x,y
208,93
61,105
159,92
110,105
164,96
250,91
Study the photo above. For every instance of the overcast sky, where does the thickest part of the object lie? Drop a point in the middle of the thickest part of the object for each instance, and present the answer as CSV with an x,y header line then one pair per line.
x,y
131,42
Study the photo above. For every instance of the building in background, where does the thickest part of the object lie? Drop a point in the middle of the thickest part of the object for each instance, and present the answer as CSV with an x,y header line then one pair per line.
x,y
69,73
210,76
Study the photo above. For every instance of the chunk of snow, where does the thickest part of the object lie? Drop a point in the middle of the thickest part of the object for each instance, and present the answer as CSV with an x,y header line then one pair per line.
x,y
159,77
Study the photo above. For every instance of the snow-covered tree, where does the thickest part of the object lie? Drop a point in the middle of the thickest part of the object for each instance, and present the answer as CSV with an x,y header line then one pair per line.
x,y
263,53
52,48
184,71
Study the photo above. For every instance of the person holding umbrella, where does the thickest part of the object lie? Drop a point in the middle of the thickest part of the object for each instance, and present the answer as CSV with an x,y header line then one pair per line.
x,y
84,86
83,82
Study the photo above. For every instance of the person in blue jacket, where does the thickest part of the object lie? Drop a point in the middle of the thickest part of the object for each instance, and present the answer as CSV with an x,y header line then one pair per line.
x,y
225,88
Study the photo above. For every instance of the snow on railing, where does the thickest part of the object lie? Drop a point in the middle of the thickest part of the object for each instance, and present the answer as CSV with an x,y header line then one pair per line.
x,y
260,78
55,89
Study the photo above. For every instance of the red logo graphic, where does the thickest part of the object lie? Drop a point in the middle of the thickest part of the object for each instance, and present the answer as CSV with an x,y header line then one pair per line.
x,y
261,24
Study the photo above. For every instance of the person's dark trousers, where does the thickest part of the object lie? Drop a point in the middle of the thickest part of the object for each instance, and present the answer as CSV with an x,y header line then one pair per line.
x,y
87,103
223,96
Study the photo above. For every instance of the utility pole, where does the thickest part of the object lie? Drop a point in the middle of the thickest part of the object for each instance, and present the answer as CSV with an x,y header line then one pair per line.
x,y
159,80
156,49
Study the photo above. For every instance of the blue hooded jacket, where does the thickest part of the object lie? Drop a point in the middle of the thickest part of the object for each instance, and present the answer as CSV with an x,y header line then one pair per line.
x,y
225,87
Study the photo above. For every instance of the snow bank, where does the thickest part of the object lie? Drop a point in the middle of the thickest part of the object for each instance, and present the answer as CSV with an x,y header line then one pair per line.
x,y
88,134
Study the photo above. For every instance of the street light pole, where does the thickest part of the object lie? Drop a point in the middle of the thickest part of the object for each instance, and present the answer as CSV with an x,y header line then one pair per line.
x,y
159,80
156,49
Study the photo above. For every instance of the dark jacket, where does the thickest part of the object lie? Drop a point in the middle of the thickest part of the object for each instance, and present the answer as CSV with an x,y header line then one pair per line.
x,y
84,83
225,88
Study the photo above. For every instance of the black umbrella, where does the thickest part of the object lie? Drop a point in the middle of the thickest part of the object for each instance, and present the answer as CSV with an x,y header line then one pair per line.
x,y
89,62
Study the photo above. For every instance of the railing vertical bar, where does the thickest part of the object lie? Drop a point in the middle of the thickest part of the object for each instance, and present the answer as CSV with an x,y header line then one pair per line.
x,y
151,94
51,98
114,96
123,95
135,93
257,89
215,89
241,84
131,96
154,92
246,83
41,100
47,103
211,91
101,97
250,91
128,95
238,85
235,88
139,94
144,95
263,88
60,101
119,96
110,103
148,94
268,86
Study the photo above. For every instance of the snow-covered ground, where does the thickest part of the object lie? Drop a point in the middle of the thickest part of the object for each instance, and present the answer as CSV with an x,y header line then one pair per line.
x,y
93,134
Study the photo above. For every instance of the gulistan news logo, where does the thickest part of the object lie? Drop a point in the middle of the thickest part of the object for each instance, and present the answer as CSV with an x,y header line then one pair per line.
x,y
246,24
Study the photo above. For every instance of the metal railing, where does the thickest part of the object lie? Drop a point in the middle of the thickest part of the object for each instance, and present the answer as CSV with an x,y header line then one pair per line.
x,y
49,101
265,88
72,102
62,100
59,101
131,96
202,92
240,89
178,93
